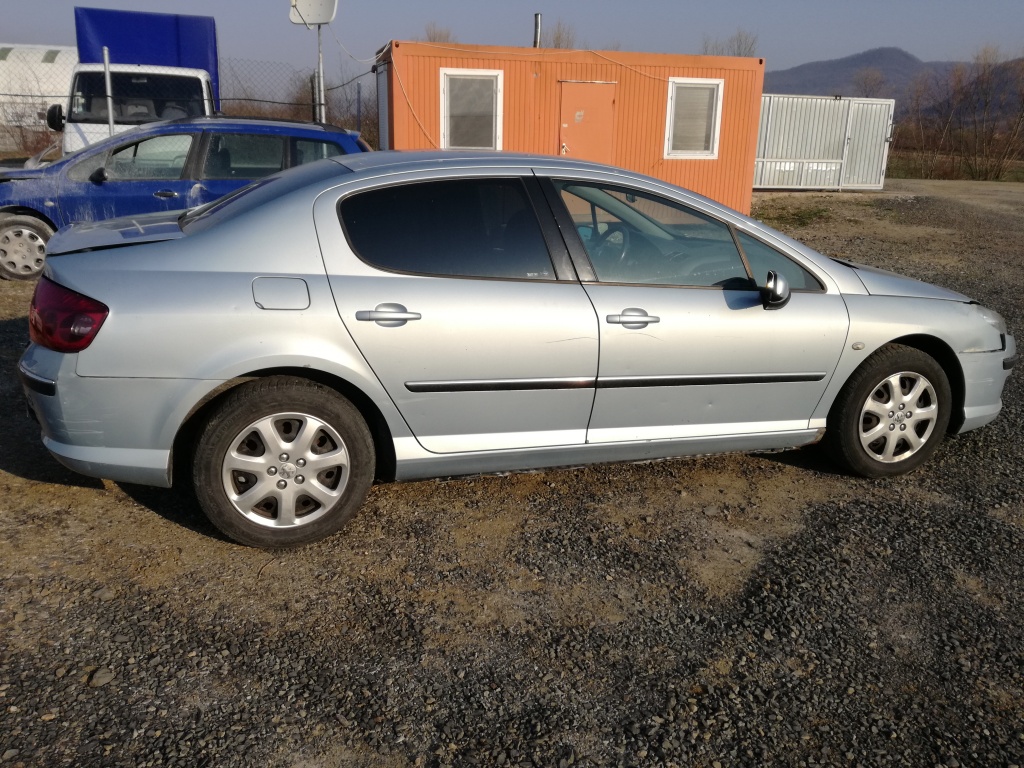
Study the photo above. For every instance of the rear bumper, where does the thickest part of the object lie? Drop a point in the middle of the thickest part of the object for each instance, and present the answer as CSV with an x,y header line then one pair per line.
x,y
118,429
123,465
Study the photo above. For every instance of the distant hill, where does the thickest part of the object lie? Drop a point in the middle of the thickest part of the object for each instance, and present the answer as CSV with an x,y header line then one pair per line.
x,y
839,77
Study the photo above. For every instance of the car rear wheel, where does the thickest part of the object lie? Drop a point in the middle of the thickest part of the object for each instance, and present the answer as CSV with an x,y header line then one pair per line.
x,y
22,246
891,415
283,462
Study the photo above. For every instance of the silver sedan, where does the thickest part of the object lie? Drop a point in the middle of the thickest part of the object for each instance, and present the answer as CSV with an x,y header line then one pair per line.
x,y
399,316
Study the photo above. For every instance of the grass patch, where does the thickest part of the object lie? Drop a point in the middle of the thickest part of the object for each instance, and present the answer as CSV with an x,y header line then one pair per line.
x,y
781,216
908,165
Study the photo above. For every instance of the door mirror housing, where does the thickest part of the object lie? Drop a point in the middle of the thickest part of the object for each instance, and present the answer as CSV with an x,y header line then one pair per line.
x,y
55,118
99,175
775,294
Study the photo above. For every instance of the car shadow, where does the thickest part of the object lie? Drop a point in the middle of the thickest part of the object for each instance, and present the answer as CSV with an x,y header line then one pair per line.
x,y
176,505
813,458
22,453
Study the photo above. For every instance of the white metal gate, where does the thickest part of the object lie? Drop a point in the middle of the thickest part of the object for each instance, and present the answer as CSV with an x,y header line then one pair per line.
x,y
818,142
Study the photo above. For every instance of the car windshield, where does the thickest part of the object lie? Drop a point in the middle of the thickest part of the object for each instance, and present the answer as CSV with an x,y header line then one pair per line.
x,y
256,194
137,97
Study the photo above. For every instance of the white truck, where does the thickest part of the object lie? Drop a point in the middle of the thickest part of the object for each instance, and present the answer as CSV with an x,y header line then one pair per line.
x,y
161,66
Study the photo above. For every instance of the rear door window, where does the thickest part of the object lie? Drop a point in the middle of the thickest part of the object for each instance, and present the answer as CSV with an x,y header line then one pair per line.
x,y
465,227
244,156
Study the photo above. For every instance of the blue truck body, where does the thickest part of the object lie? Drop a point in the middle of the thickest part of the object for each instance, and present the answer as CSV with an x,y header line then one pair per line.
x,y
154,39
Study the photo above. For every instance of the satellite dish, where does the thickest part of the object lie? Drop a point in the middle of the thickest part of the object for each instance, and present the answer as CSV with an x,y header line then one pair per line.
x,y
312,12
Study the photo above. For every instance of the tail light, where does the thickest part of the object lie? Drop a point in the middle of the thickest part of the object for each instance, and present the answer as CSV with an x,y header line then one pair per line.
x,y
63,320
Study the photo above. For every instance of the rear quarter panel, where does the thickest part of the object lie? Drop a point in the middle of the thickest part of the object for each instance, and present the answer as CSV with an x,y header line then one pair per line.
x,y
185,309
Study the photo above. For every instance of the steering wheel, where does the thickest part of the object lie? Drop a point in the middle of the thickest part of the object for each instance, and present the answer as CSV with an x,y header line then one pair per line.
x,y
607,251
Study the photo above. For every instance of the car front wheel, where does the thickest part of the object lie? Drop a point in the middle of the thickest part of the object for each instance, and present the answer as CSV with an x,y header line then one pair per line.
x,y
891,415
283,462
22,246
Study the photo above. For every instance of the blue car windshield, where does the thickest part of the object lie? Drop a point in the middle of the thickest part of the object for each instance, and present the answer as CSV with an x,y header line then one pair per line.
x,y
256,194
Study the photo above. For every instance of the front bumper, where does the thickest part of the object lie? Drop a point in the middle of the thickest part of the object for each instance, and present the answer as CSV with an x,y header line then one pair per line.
x,y
985,374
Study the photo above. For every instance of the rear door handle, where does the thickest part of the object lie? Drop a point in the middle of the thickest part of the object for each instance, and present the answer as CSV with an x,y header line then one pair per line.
x,y
633,318
388,315
165,193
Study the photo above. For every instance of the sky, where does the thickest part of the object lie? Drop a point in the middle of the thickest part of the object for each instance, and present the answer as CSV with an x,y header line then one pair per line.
x,y
789,32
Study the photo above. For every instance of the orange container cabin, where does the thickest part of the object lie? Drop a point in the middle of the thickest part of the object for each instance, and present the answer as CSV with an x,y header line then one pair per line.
x,y
688,120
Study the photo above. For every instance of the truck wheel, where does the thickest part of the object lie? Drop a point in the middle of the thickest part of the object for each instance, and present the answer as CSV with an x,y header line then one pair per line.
x,y
891,415
282,462
22,246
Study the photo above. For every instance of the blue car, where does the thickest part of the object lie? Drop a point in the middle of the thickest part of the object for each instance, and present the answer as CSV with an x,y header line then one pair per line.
x,y
164,166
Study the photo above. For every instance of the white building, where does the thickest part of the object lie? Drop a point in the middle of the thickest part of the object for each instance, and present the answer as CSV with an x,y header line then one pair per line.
x,y
32,77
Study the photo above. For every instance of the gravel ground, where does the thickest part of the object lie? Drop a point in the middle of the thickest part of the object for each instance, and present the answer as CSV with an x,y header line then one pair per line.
x,y
745,610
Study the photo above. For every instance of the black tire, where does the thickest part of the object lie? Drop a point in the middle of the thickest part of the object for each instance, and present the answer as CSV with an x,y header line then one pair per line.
x,y
22,246
875,431
256,456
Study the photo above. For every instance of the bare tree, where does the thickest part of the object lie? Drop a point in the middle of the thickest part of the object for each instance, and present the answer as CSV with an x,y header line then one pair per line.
x,y
920,136
870,83
742,43
968,122
251,88
988,115
435,33
560,35
353,104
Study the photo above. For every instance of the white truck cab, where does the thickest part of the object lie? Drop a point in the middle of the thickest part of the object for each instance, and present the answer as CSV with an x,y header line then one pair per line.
x,y
140,94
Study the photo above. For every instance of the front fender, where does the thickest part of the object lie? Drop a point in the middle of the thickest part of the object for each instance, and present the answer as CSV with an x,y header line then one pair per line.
x,y
942,328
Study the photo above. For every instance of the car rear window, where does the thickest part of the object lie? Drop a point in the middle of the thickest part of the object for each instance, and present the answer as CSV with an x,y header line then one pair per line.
x,y
258,193
310,150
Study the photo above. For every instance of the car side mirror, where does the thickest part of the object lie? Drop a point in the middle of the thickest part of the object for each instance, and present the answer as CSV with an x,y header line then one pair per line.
x,y
775,294
99,175
55,118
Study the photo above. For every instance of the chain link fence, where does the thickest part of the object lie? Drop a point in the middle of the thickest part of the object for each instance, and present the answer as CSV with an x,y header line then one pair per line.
x,y
34,77
272,89
31,78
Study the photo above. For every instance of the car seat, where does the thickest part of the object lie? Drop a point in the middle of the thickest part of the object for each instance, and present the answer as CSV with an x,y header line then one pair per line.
x,y
173,111
137,108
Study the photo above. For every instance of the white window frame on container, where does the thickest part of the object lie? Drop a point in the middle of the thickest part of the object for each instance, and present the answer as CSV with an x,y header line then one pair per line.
x,y
497,113
708,152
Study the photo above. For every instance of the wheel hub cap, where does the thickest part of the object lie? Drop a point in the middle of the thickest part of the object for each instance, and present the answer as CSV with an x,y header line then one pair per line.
x,y
285,470
22,251
898,417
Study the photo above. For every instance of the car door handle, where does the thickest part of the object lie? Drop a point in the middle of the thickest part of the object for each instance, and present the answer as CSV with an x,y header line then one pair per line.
x,y
388,315
633,318
165,193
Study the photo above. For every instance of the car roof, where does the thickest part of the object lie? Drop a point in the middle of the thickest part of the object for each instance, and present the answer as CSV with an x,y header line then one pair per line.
x,y
253,123
394,162
401,161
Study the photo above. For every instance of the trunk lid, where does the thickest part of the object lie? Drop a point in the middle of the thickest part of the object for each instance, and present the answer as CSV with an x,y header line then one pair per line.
x,y
114,233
